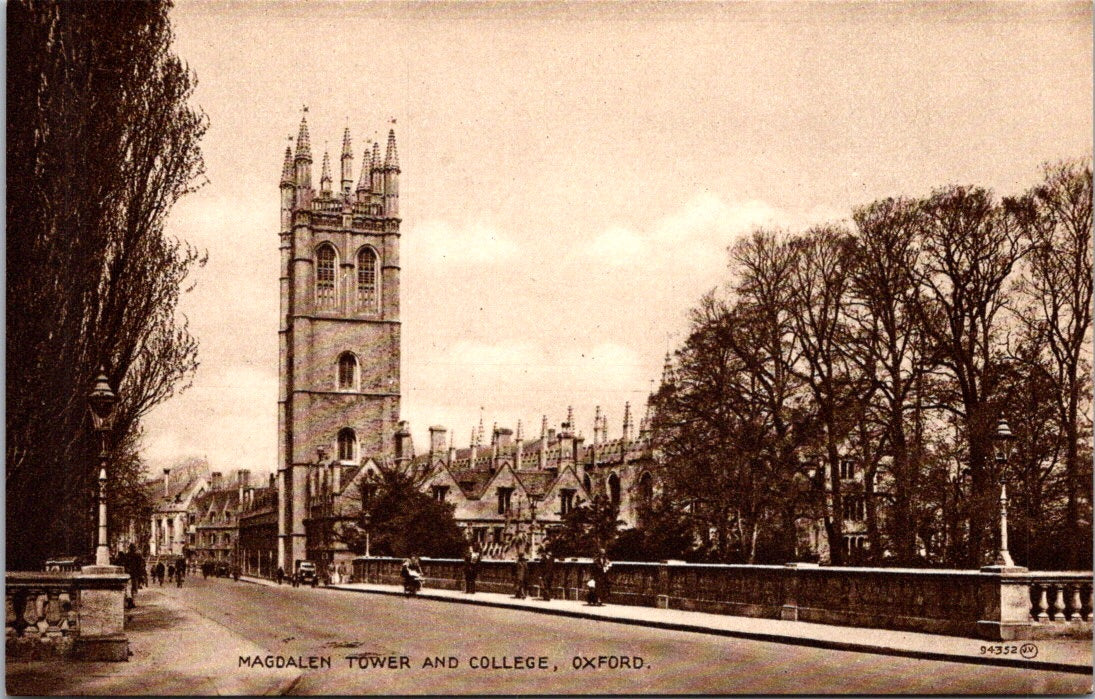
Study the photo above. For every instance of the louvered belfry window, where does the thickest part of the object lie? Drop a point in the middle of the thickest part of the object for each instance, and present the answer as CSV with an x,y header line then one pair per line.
x,y
366,281
326,296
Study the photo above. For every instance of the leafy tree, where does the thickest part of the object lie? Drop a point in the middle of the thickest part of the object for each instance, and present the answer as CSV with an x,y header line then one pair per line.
x,y
102,143
402,520
664,532
589,527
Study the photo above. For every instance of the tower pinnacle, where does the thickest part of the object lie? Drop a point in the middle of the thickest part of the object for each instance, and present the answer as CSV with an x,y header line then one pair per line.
x,y
325,175
304,144
287,167
347,162
391,158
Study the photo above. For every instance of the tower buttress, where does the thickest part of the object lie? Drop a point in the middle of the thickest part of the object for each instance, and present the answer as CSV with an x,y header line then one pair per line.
x,y
391,177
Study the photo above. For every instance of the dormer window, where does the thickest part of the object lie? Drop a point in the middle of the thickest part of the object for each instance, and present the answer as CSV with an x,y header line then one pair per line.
x,y
505,496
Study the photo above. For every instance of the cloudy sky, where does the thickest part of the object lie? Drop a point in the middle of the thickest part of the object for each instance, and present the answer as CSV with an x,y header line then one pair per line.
x,y
573,173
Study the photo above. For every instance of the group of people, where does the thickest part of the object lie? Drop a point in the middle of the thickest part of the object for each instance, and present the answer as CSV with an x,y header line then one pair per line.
x,y
544,566
174,571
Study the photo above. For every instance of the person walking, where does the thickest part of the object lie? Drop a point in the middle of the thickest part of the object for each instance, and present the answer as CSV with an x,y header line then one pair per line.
x,y
158,572
521,576
471,568
134,565
279,575
547,572
180,573
601,585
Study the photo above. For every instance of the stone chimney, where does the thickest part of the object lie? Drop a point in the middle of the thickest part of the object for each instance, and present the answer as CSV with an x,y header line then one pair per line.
x,y
166,481
404,448
438,436
243,479
504,438
216,480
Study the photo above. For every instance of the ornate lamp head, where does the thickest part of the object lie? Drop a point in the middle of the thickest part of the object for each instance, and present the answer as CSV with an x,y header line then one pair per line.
x,y
102,400
1003,439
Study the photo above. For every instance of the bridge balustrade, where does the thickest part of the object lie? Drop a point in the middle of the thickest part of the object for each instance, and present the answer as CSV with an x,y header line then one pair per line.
x,y
1008,604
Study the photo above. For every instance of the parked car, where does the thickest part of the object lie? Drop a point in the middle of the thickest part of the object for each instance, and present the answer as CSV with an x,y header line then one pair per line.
x,y
306,573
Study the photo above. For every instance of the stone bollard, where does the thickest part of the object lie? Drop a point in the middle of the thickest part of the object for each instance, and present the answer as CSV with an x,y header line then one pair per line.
x,y
1005,603
102,613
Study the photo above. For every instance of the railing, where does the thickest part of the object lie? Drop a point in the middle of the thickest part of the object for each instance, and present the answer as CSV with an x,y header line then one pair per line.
x,y
986,603
42,614
1060,600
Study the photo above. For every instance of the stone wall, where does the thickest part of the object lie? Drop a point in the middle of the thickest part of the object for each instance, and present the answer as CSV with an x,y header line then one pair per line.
x,y
986,604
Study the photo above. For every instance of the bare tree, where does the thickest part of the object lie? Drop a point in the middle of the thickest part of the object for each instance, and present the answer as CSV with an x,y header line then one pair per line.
x,y
1057,282
819,300
970,246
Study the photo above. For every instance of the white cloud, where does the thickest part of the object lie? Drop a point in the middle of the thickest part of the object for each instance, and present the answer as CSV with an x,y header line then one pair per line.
x,y
440,241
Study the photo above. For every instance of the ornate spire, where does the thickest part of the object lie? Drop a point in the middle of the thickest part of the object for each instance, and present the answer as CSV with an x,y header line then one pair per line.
x,y
287,167
598,433
347,162
391,158
376,155
627,421
325,174
304,144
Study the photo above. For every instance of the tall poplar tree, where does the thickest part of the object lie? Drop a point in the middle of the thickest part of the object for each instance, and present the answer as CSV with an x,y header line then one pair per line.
x,y
102,142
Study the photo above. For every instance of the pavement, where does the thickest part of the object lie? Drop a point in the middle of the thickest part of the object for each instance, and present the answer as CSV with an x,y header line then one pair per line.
x,y
1060,655
174,651
181,645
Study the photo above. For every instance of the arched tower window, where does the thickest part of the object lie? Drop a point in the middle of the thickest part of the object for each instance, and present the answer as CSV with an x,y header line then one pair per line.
x,y
588,484
614,489
366,281
347,371
347,444
326,294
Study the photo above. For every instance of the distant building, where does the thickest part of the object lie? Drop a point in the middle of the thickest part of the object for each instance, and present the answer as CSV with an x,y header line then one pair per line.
x,y
258,530
214,519
172,497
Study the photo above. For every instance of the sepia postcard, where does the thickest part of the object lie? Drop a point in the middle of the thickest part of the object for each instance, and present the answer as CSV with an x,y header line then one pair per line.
x,y
548,348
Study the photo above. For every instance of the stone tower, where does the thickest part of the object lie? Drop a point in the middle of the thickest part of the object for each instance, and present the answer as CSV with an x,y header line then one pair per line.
x,y
339,330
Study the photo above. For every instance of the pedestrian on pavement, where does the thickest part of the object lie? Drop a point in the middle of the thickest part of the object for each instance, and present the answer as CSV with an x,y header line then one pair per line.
x,y
601,584
279,576
547,572
236,573
521,576
134,565
159,571
471,568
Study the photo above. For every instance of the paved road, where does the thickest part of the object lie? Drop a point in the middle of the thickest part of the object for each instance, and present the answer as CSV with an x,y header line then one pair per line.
x,y
360,632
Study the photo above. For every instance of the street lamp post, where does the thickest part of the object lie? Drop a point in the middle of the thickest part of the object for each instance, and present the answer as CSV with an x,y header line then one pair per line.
x,y
366,519
101,400
1004,438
